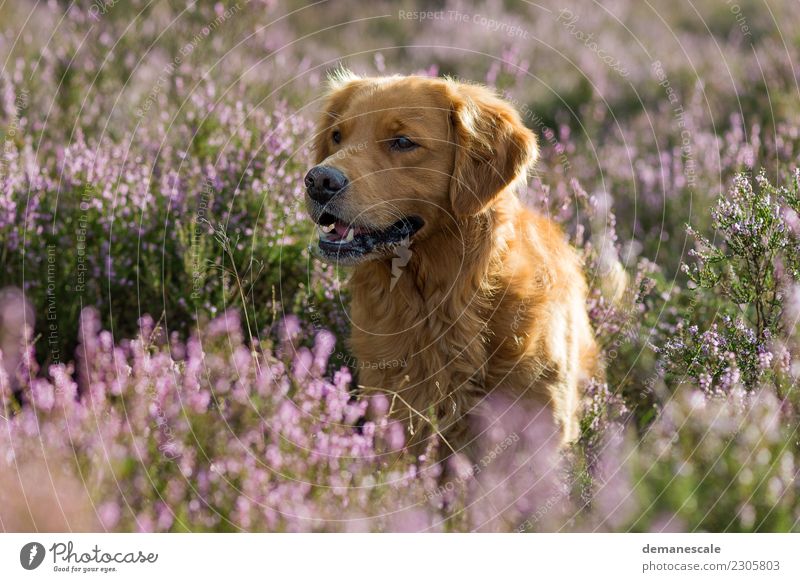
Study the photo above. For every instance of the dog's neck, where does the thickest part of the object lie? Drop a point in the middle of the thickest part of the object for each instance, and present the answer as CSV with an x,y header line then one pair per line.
x,y
466,251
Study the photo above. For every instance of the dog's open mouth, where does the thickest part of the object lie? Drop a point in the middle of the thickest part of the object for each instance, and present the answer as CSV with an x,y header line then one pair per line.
x,y
347,243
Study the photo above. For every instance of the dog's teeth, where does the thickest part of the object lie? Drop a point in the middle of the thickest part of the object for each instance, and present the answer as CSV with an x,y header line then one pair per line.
x,y
350,234
326,229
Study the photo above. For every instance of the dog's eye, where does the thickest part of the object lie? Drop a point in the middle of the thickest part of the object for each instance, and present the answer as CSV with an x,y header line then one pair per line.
x,y
402,144
337,136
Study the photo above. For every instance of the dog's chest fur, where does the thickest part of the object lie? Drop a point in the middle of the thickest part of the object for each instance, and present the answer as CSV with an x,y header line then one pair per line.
x,y
438,340
430,337
418,344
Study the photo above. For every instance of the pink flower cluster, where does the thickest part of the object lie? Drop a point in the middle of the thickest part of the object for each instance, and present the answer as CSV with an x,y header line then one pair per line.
x,y
213,435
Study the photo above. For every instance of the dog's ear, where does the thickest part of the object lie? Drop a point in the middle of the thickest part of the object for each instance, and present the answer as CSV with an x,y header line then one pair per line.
x,y
342,85
494,149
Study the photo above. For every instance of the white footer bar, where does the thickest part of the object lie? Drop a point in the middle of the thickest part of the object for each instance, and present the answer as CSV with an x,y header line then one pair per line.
x,y
401,557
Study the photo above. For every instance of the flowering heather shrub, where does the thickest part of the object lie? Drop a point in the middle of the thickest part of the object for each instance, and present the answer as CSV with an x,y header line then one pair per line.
x,y
185,230
727,463
744,279
208,435
213,436
761,248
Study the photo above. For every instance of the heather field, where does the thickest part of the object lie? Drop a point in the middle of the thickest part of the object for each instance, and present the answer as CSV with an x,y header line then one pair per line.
x,y
174,358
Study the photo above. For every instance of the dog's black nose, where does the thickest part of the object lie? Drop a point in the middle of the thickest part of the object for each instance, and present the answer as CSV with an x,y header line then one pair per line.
x,y
323,183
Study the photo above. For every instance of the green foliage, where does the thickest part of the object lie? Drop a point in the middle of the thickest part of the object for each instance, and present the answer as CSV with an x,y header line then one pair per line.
x,y
730,329
722,465
758,253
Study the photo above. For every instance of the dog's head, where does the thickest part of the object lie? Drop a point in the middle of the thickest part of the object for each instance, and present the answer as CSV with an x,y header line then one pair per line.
x,y
400,157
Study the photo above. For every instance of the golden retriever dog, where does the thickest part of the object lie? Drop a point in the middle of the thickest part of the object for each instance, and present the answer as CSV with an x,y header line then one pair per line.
x,y
458,291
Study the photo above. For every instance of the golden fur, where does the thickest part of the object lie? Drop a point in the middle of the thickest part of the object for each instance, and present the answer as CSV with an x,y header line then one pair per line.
x,y
492,297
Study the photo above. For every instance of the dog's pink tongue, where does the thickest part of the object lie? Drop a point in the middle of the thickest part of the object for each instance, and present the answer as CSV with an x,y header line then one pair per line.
x,y
341,229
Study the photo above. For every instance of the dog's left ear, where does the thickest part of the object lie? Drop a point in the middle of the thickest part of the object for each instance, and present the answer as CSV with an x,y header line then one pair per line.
x,y
494,149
